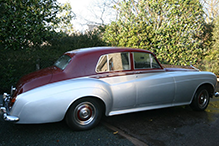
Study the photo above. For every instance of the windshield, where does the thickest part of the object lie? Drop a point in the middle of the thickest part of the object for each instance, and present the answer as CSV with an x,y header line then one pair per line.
x,y
62,62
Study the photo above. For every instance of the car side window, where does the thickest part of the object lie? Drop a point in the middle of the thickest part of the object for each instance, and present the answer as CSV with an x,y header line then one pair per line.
x,y
113,62
144,61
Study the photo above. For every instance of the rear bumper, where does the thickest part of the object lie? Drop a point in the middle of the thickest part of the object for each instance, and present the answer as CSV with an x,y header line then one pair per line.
x,y
5,110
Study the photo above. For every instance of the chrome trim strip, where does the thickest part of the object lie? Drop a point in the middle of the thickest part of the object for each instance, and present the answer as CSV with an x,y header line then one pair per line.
x,y
138,109
193,67
12,90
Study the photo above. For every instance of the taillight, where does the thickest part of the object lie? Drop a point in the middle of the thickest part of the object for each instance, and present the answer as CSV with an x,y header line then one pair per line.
x,y
12,101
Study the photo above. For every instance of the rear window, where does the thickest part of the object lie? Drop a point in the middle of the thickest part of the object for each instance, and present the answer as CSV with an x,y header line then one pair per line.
x,y
62,62
113,62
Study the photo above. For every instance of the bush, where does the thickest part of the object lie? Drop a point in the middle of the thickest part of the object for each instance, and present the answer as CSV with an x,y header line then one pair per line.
x,y
16,63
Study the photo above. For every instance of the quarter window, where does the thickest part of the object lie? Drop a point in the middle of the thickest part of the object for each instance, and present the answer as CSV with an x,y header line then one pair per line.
x,y
144,61
113,62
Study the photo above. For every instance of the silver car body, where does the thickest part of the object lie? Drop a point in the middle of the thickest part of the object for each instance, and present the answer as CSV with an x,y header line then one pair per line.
x,y
120,94
120,91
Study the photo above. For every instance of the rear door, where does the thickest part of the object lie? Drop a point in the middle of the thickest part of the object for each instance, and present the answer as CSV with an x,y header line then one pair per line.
x,y
115,70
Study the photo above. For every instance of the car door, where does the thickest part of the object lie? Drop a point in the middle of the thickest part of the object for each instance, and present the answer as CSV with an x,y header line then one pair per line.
x,y
115,70
154,86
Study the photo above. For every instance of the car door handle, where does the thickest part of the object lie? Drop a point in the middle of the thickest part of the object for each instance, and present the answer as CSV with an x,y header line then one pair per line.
x,y
137,72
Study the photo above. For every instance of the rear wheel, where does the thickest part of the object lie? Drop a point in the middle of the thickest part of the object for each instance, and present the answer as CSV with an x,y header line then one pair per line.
x,y
84,114
201,99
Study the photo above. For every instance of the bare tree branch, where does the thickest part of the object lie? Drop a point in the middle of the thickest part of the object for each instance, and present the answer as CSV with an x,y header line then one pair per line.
x,y
211,7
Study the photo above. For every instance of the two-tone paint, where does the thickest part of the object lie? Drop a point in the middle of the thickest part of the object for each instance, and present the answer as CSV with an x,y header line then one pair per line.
x,y
46,95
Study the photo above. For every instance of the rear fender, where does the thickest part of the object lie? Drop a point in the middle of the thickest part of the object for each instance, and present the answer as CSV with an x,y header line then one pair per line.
x,y
49,103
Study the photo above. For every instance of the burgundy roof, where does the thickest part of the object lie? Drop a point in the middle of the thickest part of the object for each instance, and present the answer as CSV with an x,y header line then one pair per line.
x,y
83,63
104,50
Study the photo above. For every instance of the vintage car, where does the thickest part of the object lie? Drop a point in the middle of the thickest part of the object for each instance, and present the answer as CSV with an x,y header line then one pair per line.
x,y
86,83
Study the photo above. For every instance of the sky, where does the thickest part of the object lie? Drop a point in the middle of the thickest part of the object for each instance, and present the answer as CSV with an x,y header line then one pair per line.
x,y
85,11
79,7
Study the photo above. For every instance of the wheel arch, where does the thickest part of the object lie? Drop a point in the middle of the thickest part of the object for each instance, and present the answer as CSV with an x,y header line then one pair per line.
x,y
208,86
99,100
201,97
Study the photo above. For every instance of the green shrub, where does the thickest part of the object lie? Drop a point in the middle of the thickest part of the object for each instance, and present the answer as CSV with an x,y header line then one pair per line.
x,y
16,63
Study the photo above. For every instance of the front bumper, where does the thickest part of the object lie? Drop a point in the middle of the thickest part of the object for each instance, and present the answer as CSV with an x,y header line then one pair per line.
x,y
5,110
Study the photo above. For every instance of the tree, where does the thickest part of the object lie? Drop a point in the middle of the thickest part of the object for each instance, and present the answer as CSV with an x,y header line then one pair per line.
x,y
100,12
169,28
212,60
25,25
27,22
64,17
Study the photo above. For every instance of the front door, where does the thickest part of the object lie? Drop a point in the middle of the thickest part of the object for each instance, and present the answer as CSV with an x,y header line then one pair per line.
x,y
153,85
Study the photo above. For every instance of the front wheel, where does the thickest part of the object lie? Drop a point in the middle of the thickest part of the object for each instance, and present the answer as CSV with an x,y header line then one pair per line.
x,y
201,99
84,114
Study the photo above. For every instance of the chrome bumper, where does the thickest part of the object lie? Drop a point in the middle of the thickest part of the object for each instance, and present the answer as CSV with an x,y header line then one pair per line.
x,y
5,111
216,94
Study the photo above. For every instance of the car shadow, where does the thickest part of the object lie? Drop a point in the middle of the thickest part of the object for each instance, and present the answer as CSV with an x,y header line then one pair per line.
x,y
171,126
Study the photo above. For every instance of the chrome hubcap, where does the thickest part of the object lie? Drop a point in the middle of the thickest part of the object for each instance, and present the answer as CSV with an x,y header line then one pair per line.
x,y
84,113
203,98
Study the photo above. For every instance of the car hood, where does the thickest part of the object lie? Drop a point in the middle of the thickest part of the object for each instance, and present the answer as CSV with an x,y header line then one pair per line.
x,y
178,69
35,79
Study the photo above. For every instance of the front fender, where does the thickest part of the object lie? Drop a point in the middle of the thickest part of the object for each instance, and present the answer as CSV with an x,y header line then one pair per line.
x,y
49,103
